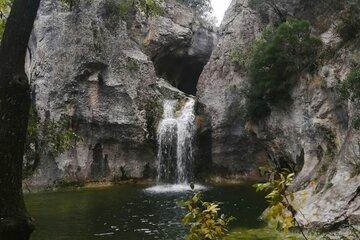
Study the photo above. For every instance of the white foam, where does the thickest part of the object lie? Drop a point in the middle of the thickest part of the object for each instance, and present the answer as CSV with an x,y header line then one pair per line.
x,y
175,138
174,188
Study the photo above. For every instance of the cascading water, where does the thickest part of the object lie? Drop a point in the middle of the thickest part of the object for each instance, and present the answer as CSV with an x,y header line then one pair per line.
x,y
175,138
175,142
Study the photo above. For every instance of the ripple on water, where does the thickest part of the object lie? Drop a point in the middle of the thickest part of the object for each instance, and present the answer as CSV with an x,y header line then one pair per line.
x,y
173,188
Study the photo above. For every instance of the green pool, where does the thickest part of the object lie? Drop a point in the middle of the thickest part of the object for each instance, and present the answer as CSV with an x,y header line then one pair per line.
x,y
129,212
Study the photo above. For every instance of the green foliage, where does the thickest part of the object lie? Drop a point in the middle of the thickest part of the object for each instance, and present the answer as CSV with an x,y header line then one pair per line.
x,y
239,57
154,111
31,146
279,213
59,135
149,7
125,7
69,3
202,6
349,28
350,89
132,66
275,60
5,6
126,10
32,128
203,219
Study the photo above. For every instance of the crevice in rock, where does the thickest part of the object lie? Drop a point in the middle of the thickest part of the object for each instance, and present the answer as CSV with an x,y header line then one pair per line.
x,y
100,165
300,160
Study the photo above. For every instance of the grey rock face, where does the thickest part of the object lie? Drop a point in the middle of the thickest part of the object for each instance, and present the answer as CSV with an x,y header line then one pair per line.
x,y
90,66
220,91
314,132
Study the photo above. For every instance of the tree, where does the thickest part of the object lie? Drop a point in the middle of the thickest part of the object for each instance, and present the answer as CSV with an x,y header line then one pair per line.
x,y
15,224
275,60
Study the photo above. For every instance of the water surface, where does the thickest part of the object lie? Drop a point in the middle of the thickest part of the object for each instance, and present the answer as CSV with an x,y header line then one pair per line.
x,y
127,212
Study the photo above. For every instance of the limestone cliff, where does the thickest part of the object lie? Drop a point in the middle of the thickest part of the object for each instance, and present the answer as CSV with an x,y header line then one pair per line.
x,y
94,66
318,121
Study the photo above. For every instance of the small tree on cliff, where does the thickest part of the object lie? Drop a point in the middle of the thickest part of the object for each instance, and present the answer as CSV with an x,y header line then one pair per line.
x,y
15,223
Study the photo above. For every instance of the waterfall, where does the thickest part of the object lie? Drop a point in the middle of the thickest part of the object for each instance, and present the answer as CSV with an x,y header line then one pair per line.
x,y
175,138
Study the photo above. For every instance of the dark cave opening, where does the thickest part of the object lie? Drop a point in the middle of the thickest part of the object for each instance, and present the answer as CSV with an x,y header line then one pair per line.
x,y
182,72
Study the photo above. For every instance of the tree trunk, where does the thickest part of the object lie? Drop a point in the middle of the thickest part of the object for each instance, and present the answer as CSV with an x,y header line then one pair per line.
x,y
15,224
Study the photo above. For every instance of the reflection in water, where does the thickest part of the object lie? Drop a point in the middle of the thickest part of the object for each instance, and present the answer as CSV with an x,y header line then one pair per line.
x,y
130,213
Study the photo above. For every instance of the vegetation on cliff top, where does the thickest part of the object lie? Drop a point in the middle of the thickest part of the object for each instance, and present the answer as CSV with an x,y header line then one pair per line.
x,y
349,27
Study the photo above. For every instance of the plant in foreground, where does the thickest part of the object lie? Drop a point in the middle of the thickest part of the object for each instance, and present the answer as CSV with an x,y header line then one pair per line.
x,y
204,220
280,212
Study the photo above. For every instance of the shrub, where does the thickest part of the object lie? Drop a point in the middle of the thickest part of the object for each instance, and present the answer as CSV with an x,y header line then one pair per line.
x,y
132,66
275,60
349,28
350,89
125,7
59,135
239,57
202,6
149,7
203,219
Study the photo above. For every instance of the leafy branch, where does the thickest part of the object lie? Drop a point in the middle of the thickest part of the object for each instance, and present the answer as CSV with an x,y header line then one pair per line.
x,y
280,212
203,219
